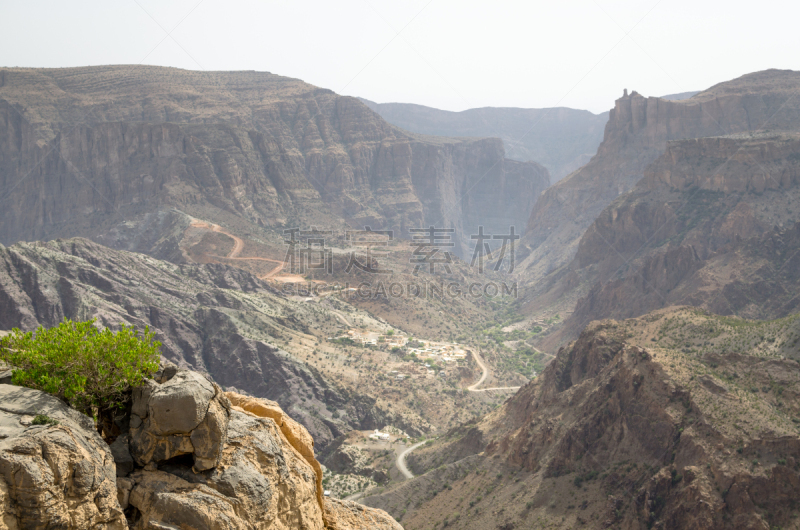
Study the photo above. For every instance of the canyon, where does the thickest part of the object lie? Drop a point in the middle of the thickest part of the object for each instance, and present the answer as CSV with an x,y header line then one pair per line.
x,y
636,134
646,375
561,139
98,151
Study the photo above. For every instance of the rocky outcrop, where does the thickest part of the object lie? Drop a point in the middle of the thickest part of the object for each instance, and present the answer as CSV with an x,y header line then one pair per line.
x,y
674,238
348,515
260,481
294,433
110,163
652,422
263,474
185,415
201,460
561,139
636,134
53,475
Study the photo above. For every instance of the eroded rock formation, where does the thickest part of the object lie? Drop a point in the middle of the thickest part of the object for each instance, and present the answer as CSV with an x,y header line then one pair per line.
x,y
185,415
105,152
636,134
202,459
53,475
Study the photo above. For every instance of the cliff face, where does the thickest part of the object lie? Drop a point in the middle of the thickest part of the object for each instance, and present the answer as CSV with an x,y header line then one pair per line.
x,y
706,192
561,139
678,419
636,134
85,150
711,218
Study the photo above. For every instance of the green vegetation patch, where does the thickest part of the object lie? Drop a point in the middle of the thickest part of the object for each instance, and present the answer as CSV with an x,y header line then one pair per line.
x,y
89,368
44,419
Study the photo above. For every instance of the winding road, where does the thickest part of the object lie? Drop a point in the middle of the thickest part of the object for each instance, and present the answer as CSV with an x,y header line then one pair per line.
x,y
474,387
401,460
238,246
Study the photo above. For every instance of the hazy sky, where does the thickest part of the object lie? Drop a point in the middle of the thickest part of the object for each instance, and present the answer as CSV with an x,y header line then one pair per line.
x,y
450,54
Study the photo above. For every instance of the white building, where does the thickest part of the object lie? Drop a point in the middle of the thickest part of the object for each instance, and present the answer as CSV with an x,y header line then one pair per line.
x,y
378,435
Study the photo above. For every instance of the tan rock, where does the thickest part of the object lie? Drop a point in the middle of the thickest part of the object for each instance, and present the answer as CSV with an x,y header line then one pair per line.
x,y
166,501
207,439
53,476
179,405
261,481
187,414
296,434
348,515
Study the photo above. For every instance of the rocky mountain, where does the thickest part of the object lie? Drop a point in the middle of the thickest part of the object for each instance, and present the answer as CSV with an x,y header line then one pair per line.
x,y
561,139
189,456
636,134
211,318
106,152
714,223
677,419
681,95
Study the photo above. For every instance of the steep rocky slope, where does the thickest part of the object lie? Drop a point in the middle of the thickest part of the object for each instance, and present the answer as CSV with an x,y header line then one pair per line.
x,y
99,151
561,139
211,318
636,134
711,224
678,419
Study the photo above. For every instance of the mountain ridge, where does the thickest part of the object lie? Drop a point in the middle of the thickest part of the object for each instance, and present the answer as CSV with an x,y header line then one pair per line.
x,y
637,133
560,138
85,150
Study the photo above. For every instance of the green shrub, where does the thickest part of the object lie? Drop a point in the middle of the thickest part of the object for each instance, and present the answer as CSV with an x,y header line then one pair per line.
x,y
44,419
91,369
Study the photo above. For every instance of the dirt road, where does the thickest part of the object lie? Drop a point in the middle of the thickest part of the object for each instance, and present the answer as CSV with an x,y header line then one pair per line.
x,y
401,461
484,375
238,246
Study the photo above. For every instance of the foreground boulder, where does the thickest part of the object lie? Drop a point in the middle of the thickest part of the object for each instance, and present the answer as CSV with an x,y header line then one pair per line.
x,y
266,477
260,482
186,415
189,457
54,475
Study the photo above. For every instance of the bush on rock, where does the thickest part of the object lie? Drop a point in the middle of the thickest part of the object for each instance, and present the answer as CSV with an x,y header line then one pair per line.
x,y
91,369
